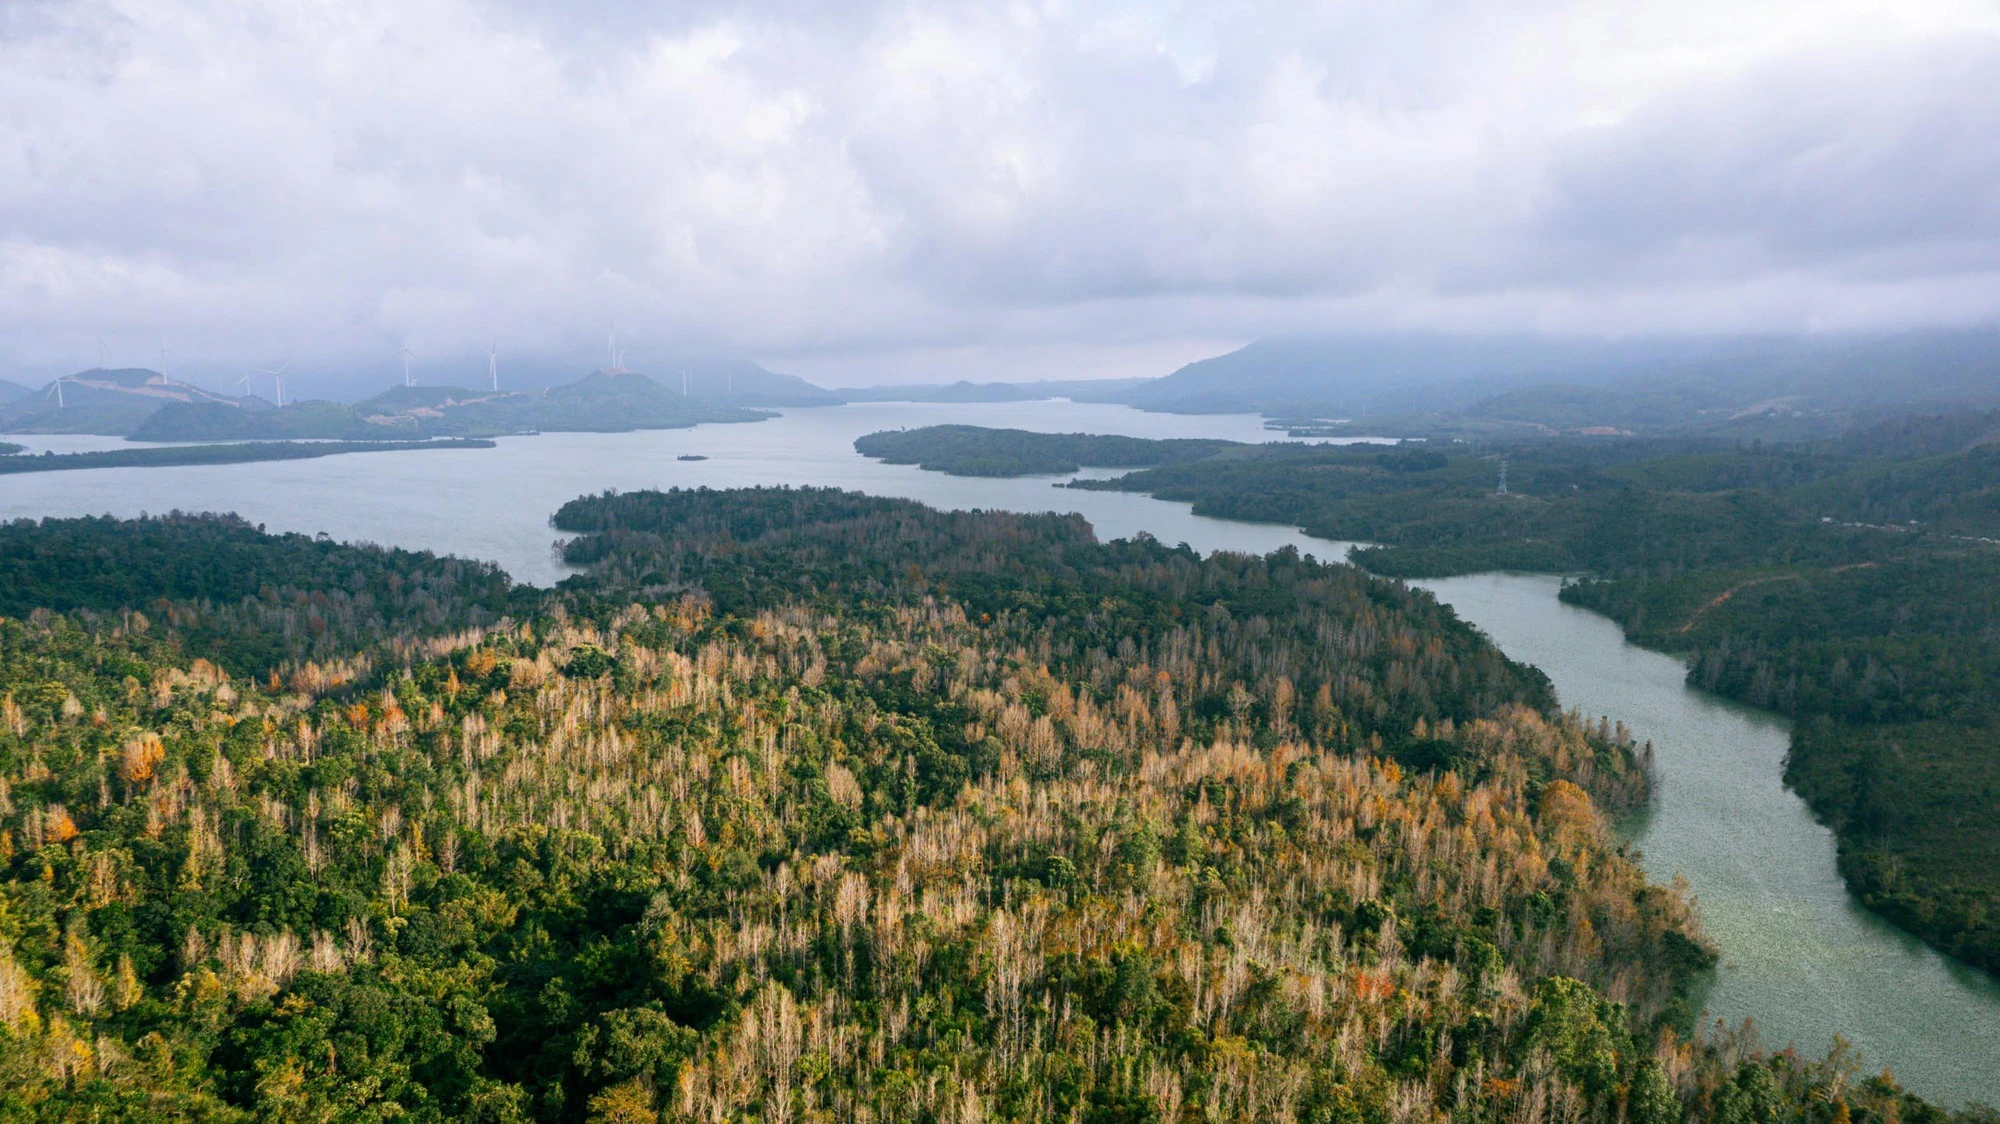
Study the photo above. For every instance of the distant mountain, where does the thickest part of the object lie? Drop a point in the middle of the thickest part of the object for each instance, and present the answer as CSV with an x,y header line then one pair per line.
x,y
1076,390
147,406
622,400
1779,389
106,401
402,399
938,392
1781,386
1927,435
217,421
739,382
430,411
1363,375
604,401
731,381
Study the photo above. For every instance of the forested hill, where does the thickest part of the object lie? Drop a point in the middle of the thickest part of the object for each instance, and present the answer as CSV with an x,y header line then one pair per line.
x,y
799,805
843,550
1522,385
248,601
146,406
970,450
605,402
1847,583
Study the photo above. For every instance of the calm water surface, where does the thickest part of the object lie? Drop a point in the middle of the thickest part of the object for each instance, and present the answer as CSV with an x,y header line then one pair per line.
x,y
495,503
1798,956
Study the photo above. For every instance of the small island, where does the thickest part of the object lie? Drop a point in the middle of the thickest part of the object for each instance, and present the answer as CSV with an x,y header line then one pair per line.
x,y
691,457
8,449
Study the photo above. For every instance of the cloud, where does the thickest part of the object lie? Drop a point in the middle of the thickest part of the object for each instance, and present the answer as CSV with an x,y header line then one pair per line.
x,y
995,189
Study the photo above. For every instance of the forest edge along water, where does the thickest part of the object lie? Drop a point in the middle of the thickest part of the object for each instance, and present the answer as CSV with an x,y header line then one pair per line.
x,y
1798,955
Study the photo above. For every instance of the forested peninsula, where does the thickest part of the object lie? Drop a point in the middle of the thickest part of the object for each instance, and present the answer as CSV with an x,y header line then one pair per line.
x,y
602,402
798,804
240,453
145,405
970,450
1848,584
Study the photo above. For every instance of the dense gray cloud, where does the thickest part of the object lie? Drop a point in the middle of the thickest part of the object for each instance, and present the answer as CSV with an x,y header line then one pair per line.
x,y
916,190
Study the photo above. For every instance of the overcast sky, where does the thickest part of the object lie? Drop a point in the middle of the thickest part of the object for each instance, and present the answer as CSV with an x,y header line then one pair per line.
x,y
864,192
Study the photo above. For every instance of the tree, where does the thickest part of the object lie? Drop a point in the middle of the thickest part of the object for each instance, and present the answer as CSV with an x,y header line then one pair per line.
x,y
1580,1030
628,1102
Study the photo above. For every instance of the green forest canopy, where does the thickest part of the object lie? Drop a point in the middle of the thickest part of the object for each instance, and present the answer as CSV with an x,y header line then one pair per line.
x,y
1849,584
970,450
800,805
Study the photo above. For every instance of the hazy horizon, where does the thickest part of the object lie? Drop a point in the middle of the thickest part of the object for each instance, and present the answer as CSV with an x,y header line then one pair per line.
x,y
924,193
1516,641
536,372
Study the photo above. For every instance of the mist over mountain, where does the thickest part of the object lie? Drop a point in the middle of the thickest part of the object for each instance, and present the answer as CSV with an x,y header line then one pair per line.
x,y
739,382
1040,192
838,766
1400,384
1568,382
735,380
98,400
145,405
964,390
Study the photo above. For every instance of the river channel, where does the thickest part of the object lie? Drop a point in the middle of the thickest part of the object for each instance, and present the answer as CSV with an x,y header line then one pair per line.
x,y
1798,956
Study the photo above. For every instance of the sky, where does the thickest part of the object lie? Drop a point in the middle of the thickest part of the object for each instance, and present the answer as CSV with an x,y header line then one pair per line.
x,y
866,192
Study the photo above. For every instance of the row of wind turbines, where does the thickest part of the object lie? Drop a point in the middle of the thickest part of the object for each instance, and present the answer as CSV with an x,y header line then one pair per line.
x,y
277,374
618,367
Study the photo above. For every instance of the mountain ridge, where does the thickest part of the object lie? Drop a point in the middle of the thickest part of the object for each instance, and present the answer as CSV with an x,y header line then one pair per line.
x,y
603,401
1785,384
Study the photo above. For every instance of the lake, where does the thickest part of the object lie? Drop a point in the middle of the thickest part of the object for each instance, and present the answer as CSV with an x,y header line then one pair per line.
x,y
1798,956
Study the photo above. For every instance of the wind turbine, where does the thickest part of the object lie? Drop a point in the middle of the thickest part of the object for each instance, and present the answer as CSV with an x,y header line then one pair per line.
x,y
56,387
244,382
684,382
493,364
407,355
278,377
103,354
612,345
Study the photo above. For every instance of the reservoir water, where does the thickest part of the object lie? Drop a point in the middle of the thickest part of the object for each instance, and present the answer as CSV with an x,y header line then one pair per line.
x,y
1799,957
